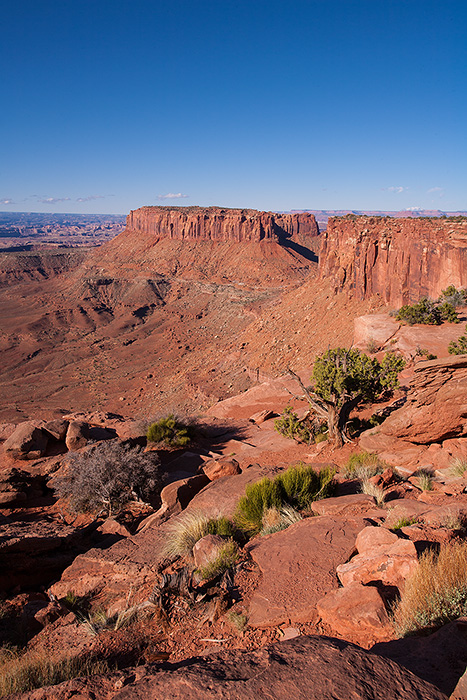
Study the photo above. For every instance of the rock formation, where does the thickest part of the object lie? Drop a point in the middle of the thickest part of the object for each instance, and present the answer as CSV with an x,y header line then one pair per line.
x,y
400,260
218,224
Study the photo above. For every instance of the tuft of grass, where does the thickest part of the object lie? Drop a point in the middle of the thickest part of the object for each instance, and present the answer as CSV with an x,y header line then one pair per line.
x,y
298,487
363,465
458,466
436,592
404,522
373,490
185,532
275,520
238,620
226,557
22,673
425,479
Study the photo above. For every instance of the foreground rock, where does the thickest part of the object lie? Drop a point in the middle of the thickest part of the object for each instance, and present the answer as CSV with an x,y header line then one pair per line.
x,y
304,668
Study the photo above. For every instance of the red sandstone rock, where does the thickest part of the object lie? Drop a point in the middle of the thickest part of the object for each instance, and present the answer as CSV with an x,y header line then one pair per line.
x,y
390,564
207,549
351,504
357,613
28,441
400,260
77,435
371,537
298,567
262,416
217,468
304,668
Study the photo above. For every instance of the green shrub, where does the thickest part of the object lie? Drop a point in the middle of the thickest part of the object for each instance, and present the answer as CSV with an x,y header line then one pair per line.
x,y
458,347
428,312
169,431
298,487
404,522
436,591
456,297
290,426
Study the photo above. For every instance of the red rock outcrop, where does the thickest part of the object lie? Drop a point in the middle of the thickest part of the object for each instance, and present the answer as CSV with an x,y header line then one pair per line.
x,y
400,260
218,224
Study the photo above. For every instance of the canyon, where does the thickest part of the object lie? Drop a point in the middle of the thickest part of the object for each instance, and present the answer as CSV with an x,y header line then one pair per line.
x,y
201,311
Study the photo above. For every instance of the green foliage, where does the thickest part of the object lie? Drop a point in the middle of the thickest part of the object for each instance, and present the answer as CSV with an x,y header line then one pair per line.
x,y
108,475
298,487
340,374
291,427
170,431
227,556
238,620
456,297
404,522
458,347
428,312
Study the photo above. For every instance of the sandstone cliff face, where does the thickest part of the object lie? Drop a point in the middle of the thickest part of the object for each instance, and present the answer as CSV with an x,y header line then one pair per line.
x,y
400,260
217,224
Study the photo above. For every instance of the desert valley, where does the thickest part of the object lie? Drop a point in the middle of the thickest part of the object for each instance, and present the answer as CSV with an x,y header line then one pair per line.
x,y
234,457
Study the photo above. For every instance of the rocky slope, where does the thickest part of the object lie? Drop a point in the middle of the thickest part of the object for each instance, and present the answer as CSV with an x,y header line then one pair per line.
x,y
400,260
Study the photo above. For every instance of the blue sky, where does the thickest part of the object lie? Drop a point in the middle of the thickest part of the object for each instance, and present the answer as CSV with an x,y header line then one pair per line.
x,y
322,104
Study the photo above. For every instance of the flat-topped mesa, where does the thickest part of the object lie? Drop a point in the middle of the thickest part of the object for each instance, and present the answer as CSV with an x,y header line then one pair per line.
x,y
219,224
399,260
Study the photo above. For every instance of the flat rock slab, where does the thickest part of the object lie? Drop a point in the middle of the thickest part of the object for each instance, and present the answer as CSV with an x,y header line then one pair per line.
x,y
304,668
299,568
352,504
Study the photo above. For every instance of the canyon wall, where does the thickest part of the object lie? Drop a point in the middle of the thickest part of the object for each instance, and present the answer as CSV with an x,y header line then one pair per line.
x,y
219,224
399,260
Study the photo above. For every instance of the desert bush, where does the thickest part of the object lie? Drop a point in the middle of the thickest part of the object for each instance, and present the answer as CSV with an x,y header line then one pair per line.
x,y
298,487
372,346
363,465
428,312
456,297
22,673
425,479
227,556
185,532
459,346
289,425
170,431
108,475
436,592
458,466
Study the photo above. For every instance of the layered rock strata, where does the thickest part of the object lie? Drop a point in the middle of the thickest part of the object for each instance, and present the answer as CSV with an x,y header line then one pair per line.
x,y
399,260
218,224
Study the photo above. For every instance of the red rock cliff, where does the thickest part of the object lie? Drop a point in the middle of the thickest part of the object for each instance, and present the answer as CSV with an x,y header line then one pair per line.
x,y
218,224
400,260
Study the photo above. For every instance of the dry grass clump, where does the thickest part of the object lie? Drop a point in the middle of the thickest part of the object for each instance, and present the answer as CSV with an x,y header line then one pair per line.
x,y
185,532
363,465
425,479
373,490
21,673
436,592
275,520
458,466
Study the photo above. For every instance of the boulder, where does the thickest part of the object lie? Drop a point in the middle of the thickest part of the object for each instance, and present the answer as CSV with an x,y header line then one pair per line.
x,y
207,549
262,416
298,568
176,496
77,435
388,563
352,504
57,428
304,668
371,537
28,441
357,613
217,468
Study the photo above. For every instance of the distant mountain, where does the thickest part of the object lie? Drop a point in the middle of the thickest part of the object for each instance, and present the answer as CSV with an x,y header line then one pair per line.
x,y
322,215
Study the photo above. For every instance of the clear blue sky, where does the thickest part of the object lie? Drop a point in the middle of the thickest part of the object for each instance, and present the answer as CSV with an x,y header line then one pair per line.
x,y
109,105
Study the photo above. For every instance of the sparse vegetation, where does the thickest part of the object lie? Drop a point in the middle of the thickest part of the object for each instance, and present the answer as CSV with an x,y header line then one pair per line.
x,y
238,620
458,466
185,532
170,431
456,297
291,426
428,312
459,346
298,487
108,475
275,520
227,556
21,673
436,592
404,522
363,465
425,479
344,378
373,490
